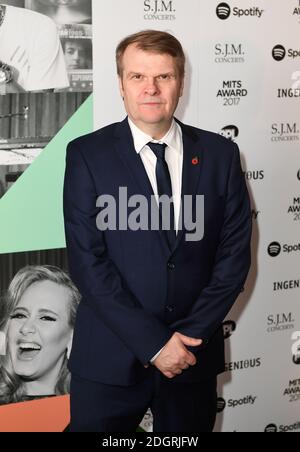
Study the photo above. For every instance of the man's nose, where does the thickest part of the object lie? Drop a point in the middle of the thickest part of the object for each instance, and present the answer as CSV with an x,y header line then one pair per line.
x,y
28,327
76,56
151,87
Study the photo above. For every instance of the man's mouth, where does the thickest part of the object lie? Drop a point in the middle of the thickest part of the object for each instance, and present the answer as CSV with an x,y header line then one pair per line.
x,y
27,351
152,104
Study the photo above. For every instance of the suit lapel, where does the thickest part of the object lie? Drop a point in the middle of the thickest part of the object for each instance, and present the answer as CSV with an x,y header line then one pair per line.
x,y
133,161
192,166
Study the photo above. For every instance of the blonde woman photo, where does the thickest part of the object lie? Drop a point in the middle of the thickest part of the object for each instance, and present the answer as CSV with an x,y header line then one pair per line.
x,y
38,317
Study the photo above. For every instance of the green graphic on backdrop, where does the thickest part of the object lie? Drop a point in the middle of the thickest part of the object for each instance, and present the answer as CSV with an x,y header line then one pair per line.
x,y
31,215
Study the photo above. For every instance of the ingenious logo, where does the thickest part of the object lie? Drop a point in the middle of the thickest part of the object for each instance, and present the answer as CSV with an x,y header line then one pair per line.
x,y
246,364
289,93
255,175
289,284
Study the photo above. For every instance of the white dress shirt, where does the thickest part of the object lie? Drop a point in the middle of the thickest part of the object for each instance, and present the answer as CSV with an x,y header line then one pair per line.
x,y
174,159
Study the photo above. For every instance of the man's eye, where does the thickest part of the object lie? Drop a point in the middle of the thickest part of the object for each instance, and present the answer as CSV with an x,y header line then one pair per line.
x,y
137,77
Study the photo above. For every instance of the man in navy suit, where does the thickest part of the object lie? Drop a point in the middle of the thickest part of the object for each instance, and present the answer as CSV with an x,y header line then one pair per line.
x,y
149,327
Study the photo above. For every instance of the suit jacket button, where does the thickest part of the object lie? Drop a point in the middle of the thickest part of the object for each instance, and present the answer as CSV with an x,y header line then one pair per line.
x,y
170,308
171,266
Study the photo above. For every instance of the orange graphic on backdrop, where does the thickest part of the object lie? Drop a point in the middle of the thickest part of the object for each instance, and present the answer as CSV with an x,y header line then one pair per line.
x,y
46,415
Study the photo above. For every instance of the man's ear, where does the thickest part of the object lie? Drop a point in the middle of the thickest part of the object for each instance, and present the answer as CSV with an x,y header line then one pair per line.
x,y
181,87
121,87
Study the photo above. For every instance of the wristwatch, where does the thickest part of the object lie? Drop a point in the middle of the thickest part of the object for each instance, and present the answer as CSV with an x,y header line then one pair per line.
x,y
6,73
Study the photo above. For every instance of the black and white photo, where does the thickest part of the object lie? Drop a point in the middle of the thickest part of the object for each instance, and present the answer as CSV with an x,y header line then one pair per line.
x,y
28,122
38,311
32,57
30,52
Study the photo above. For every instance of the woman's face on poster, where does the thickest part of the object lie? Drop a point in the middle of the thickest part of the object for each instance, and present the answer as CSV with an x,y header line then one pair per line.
x,y
65,11
63,2
39,332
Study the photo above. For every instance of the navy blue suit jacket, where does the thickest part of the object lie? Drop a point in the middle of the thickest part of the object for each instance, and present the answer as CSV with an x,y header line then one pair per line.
x,y
136,291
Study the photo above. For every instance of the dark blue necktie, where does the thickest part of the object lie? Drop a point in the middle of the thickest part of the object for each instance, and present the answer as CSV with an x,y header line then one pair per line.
x,y
164,186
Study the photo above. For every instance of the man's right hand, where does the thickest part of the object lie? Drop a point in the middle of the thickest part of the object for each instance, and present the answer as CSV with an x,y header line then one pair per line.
x,y
175,357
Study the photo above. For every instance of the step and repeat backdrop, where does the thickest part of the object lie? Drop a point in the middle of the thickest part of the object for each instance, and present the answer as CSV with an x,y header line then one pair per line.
x,y
242,81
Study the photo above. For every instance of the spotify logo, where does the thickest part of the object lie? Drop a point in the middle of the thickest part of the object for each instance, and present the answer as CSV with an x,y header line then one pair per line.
x,y
223,11
279,53
274,249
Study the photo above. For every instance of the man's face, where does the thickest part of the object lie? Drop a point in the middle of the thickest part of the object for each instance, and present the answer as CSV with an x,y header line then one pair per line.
x,y
74,55
150,85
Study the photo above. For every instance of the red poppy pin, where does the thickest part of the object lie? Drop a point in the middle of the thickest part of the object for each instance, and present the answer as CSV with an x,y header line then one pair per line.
x,y
195,161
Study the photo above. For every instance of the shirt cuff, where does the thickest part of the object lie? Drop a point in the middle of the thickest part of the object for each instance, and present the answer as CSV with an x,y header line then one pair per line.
x,y
155,356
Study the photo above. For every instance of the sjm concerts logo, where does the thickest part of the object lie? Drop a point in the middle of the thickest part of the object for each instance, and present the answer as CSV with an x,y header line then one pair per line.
x,y
229,53
285,131
159,6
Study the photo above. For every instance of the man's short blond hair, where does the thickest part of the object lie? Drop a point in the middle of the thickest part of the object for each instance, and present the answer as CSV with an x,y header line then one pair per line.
x,y
155,42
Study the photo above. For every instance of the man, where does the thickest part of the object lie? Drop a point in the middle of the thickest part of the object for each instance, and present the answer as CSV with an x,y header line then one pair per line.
x,y
31,55
78,53
152,295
